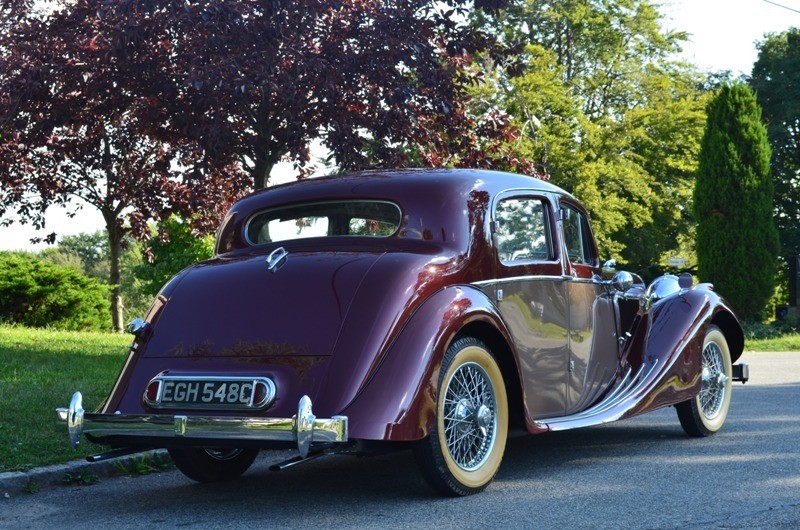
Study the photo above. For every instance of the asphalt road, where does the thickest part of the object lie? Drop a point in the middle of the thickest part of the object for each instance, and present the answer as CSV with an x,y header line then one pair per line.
x,y
639,473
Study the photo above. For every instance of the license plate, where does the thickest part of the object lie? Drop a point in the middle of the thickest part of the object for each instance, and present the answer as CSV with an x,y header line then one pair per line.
x,y
214,393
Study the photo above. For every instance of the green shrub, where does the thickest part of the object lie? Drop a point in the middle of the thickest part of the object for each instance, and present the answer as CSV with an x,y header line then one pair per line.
x,y
760,331
40,294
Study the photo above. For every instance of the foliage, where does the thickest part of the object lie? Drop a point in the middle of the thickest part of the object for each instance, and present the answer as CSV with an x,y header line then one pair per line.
x,y
73,126
83,477
39,371
381,83
38,293
608,116
145,464
89,253
31,487
776,80
737,243
175,247
136,300
777,336
757,330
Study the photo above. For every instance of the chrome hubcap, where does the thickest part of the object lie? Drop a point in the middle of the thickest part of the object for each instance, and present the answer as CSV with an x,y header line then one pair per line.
x,y
469,416
715,381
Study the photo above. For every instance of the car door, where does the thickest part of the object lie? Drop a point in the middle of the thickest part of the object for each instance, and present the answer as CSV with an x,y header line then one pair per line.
x,y
532,298
592,344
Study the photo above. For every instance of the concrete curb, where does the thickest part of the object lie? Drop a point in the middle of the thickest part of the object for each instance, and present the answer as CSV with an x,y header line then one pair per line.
x,y
16,482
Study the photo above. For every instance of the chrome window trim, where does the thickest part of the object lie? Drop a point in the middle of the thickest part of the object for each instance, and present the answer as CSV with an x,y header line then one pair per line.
x,y
550,235
535,278
532,278
375,201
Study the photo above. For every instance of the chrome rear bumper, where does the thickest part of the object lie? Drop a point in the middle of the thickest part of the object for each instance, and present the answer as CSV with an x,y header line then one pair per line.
x,y
304,428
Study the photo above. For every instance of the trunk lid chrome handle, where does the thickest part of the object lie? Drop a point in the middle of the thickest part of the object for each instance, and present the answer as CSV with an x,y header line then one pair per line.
x,y
276,258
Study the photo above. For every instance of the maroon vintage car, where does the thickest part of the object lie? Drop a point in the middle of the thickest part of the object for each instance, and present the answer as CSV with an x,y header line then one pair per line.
x,y
433,308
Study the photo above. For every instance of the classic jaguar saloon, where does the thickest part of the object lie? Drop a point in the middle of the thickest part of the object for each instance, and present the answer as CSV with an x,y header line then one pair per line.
x,y
436,309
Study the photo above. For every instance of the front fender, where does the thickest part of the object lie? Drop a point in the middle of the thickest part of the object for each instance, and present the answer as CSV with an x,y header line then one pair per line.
x,y
399,402
671,334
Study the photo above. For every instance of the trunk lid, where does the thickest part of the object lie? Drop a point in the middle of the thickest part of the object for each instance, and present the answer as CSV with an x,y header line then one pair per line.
x,y
239,307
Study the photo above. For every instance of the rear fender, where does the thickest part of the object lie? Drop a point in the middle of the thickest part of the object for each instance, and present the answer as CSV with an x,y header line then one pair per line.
x,y
399,402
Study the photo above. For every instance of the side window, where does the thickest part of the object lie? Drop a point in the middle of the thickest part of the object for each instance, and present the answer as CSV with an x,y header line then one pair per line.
x,y
521,230
577,237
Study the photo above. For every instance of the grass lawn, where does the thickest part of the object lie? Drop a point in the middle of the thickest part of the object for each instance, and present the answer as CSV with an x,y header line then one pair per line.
x,y
782,343
39,371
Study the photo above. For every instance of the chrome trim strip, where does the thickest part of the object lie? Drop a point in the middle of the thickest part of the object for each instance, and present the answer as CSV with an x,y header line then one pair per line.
x,y
535,278
584,280
614,399
305,431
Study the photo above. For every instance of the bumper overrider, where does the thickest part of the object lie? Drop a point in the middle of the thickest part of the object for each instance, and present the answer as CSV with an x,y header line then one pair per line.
x,y
304,428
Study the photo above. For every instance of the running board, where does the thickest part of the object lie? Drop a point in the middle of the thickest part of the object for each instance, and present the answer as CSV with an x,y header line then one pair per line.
x,y
610,408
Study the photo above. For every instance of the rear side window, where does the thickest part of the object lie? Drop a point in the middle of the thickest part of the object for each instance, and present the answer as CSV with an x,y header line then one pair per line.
x,y
578,237
521,230
324,219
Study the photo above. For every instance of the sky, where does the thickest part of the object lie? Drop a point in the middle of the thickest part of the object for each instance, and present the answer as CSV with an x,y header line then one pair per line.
x,y
723,34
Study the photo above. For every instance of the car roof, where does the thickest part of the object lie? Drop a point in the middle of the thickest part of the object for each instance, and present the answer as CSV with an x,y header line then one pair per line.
x,y
395,184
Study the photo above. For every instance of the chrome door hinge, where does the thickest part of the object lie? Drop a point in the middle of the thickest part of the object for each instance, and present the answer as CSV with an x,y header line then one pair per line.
x,y
571,366
499,295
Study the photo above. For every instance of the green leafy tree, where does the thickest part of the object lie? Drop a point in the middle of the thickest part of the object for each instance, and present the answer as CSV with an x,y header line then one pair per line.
x,y
34,292
737,242
88,252
776,80
608,115
175,247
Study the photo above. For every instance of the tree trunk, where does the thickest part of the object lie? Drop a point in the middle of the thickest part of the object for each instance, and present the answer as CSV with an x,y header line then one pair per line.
x,y
261,171
115,251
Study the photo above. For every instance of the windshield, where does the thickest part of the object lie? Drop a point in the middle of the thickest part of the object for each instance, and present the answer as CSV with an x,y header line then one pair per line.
x,y
324,219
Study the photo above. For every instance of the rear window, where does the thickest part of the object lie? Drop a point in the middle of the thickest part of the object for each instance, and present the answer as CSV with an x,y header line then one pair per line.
x,y
324,219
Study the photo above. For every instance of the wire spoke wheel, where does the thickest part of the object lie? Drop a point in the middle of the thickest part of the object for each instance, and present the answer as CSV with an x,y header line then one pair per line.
x,y
705,414
712,395
462,454
469,416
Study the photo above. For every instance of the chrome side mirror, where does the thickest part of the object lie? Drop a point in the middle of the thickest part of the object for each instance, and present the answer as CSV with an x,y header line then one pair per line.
x,y
136,327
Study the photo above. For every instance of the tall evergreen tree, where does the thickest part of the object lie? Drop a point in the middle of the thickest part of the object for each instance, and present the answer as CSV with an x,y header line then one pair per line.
x,y
737,242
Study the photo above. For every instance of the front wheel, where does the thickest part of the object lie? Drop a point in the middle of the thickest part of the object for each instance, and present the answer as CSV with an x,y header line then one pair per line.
x,y
212,465
705,413
463,452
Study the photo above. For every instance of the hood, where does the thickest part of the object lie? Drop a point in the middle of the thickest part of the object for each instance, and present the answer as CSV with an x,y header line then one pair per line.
x,y
239,307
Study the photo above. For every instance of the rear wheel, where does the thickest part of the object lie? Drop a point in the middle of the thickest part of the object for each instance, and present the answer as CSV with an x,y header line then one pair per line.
x,y
705,413
210,464
463,452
